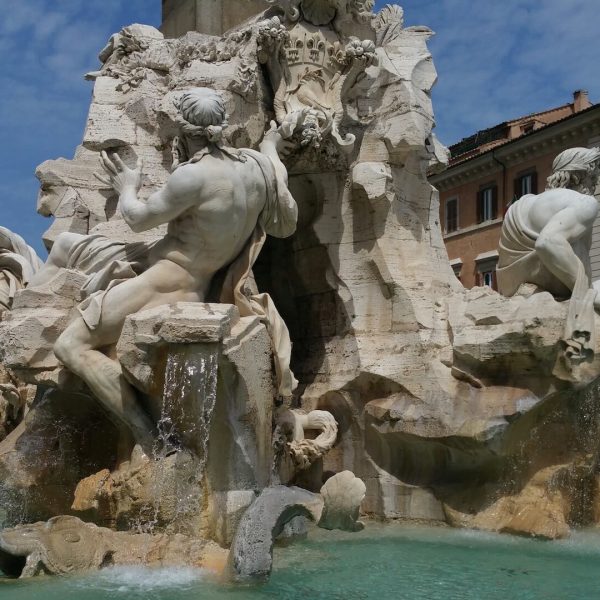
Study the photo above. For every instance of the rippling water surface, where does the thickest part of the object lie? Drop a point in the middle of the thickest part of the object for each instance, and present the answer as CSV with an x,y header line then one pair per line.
x,y
383,562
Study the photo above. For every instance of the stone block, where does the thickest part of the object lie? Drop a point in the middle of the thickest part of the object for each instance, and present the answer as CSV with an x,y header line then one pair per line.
x,y
108,127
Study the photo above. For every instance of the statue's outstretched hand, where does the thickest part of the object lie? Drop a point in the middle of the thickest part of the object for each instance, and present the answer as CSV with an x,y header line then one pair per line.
x,y
120,176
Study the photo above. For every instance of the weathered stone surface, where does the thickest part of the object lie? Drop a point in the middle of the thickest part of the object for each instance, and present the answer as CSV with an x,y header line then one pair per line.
x,y
108,127
342,496
62,439
66,545
28,333
336,507
251,553
165,491
555,499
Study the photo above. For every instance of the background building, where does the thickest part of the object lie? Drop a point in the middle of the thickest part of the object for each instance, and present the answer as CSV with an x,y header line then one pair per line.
x,y
495,166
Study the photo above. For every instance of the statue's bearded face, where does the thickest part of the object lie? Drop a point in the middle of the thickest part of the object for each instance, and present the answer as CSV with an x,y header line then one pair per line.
x,y
592,178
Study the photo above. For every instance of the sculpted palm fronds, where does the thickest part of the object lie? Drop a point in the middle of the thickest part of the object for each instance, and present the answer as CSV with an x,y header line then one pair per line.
x,y
389,23
18,263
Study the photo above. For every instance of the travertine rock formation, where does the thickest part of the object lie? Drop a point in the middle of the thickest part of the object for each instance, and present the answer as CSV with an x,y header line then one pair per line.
x,y
66,545
206,378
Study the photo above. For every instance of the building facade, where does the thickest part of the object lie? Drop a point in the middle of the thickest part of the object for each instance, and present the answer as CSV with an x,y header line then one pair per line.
x,y
496,166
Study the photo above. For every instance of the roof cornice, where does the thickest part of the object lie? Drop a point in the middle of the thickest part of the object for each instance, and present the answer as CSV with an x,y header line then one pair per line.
x,y
542,141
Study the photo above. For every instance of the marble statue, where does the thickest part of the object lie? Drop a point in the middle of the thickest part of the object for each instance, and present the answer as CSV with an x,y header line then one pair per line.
x,y
546,240
219,204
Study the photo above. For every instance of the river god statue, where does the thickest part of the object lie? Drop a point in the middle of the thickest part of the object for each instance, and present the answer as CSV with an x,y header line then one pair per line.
x,y
546,241
219,203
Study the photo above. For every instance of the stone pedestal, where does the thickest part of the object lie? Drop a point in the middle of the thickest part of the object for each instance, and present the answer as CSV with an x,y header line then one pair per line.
x,y
206,377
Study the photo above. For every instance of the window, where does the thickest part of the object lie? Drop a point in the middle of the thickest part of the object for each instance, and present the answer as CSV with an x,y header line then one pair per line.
x,y
525,184
451,215
528,127
486,269
487,204
487,279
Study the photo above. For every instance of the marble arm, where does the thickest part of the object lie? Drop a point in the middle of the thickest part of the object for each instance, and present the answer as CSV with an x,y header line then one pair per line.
x,y
176,196
277,141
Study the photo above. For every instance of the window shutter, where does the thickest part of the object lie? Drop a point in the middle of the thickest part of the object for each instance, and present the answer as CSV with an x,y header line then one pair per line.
x,y
495,202
456,213
517,188
479,206
451,210
534,182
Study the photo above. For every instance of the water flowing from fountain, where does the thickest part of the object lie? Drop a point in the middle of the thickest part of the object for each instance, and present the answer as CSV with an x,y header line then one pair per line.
x,y
188,403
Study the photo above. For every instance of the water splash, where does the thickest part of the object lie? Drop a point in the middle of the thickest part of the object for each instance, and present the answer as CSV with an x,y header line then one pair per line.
x,y
125,580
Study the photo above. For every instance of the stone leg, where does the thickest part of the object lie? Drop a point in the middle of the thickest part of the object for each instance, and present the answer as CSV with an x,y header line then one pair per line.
x,y
76,349
79,346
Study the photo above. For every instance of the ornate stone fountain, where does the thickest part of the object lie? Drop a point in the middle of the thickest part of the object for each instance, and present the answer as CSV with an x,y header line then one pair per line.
x,y
248,311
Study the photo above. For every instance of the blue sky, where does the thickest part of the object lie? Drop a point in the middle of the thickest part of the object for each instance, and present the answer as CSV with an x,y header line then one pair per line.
x,y
495,60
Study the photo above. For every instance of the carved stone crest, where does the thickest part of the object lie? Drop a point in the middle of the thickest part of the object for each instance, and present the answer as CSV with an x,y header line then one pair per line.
x,y
311,67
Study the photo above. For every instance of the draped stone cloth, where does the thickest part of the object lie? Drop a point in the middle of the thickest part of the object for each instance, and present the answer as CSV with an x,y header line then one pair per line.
x,y
18,263
279,219
517,255
109,263
518,260
575,159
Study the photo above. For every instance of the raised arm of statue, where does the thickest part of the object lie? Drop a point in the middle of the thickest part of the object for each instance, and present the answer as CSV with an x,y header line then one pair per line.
x,y
273,145
176,196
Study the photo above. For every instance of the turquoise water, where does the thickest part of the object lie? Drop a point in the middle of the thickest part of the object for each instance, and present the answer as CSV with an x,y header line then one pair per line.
x,y
383,562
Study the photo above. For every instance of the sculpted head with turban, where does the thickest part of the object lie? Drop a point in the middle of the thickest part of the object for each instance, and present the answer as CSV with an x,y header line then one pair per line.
x,y
202,119
202,113
576,168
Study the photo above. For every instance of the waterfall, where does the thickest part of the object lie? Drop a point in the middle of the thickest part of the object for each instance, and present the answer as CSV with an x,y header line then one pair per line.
x,y
180,452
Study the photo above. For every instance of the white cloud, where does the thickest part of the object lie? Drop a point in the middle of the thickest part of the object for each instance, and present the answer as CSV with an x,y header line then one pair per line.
x,y
46,46
500,60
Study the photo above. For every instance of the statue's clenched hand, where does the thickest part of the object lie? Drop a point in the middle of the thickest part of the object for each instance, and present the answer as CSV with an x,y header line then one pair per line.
x,y
120,176
276,139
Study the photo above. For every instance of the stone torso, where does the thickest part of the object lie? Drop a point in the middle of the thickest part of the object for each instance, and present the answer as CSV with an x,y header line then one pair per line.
x,y
213,232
